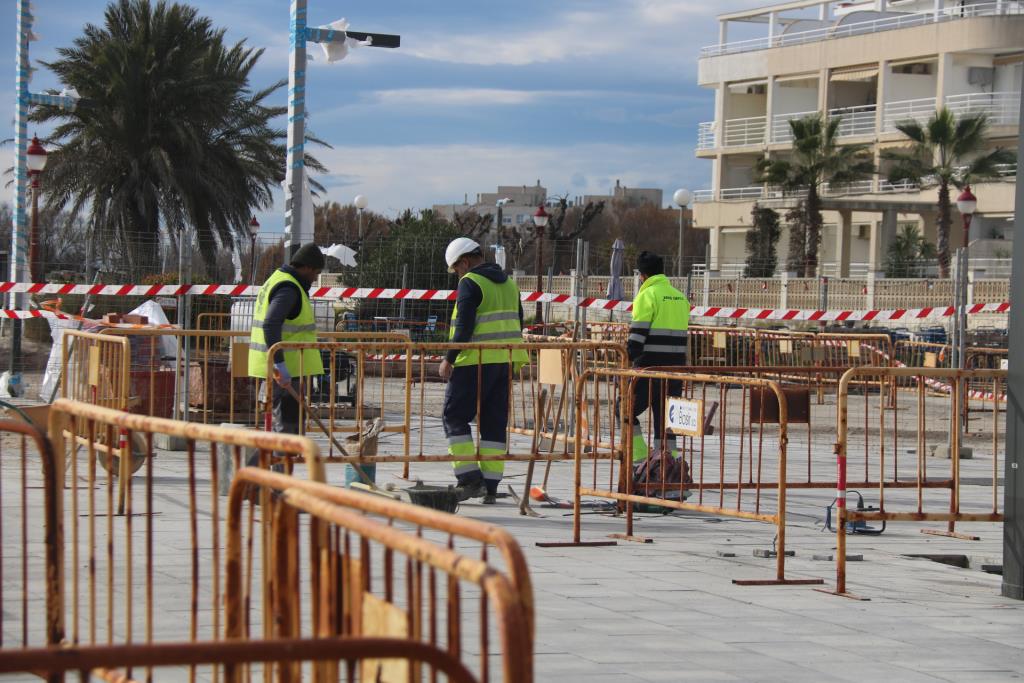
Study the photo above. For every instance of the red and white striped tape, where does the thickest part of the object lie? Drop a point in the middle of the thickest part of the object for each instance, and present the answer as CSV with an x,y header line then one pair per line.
x,y
335,293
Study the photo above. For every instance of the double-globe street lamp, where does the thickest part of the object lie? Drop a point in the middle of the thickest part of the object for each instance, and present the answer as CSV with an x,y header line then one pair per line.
x,y
36,160
540,221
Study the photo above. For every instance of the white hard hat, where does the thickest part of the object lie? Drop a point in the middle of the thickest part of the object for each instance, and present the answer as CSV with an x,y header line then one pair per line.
x,y
458,248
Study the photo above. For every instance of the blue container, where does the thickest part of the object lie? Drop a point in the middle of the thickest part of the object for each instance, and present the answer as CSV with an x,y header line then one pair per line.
x,y
352,476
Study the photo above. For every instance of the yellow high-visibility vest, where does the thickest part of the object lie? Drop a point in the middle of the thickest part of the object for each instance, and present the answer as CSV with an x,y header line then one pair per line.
x,y
300,329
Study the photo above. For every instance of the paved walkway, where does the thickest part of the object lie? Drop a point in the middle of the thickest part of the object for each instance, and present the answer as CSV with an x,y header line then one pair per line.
x,y
668,610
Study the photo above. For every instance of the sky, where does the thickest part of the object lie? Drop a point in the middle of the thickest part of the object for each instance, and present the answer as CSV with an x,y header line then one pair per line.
x,y
574,93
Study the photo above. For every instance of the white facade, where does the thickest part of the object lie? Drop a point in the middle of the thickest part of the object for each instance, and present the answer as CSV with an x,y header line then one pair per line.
x,y
873,64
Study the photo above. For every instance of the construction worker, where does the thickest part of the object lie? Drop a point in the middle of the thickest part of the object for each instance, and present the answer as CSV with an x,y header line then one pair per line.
x,y
283,312
657,337
487,310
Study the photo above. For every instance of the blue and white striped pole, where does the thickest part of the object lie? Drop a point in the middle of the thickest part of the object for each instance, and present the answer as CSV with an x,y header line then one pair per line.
x,y
19,234
296,164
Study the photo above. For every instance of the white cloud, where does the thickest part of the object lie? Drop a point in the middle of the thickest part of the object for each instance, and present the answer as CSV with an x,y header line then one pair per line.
x,y
419,176
446,97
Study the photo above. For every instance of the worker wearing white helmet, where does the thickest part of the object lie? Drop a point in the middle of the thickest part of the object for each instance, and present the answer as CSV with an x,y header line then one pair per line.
x,y
487,310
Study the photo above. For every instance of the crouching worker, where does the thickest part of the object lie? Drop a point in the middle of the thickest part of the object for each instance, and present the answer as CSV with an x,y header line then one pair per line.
x,y
657,337
487,310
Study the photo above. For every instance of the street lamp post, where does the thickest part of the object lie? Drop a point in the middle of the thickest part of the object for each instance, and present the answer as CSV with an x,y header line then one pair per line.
x,y
360,202
498,222
681,198
254,230
967,204
36,156
540,221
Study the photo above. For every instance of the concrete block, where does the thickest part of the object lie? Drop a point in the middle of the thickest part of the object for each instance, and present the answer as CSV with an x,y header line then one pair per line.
x,y
941,451
165,442
828,557
764,552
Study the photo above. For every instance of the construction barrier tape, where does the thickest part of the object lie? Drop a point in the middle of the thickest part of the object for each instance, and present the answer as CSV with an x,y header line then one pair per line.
x,y
337,293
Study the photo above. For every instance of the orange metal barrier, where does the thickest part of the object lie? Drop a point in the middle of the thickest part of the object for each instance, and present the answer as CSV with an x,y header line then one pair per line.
x,y
371,579
415,395
30,447
734,448
107,661
220,389
116,583
95,369
937,401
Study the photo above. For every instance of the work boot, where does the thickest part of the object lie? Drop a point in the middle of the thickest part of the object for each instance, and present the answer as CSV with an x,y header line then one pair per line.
x,y
490,499
471,485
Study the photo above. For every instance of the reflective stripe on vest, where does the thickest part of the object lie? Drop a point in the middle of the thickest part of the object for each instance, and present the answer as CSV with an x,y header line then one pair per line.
x,y
299,329
497,322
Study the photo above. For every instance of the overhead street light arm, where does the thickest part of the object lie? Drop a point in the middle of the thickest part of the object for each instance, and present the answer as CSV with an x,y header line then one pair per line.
x,y
327,35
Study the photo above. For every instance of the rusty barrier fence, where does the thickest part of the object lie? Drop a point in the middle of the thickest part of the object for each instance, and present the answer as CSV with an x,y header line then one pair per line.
x,y
377,568
106,661
29,589
95,369
928,468
733,441
219,389
539,400
160,552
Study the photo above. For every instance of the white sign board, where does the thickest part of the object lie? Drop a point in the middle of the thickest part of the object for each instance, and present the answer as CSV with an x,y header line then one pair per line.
x,y
1004,363
684,416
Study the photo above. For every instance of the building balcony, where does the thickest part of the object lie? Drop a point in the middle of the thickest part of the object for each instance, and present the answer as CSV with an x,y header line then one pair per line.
x,y
1001,108
1007,172
919,110
855,121
845,29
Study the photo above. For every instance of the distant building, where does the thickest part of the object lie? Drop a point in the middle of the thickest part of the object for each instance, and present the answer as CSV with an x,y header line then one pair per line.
x,y
629,196
519,210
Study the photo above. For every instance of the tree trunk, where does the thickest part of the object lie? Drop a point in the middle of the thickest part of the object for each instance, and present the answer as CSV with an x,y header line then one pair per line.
x,y
945,220
797,219
814,222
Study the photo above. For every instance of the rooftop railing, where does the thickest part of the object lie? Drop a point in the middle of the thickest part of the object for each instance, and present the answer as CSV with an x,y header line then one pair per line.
x,y
888,23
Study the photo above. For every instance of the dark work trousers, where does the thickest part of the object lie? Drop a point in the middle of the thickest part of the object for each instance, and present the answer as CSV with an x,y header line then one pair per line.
x,y
651,393
460,407
285,417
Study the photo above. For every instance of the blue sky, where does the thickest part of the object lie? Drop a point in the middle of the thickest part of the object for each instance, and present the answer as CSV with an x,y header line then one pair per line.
x,y
575,93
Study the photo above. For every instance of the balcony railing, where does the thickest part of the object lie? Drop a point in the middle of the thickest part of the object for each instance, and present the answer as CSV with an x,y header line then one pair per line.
x,y
860,187
1001,108
888,23
919,110
855,120
746,131
781,131
706,135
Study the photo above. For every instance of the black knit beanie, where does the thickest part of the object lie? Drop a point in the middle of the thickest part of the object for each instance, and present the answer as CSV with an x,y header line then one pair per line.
x,y
308,255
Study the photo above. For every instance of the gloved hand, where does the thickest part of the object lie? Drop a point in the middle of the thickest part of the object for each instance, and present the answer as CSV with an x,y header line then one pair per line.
x,y
284,378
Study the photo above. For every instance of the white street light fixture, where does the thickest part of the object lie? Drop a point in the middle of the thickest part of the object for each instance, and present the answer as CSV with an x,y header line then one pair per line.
x,y
360,202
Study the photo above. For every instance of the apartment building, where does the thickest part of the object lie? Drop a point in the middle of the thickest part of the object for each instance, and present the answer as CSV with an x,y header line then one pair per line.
x,y
873,64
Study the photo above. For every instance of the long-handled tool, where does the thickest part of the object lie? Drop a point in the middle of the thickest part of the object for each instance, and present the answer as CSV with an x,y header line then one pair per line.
x,y
539,416
316,418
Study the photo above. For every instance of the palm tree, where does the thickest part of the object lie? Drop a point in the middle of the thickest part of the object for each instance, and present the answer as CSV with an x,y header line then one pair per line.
x,y
168,134
946,151
817,160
